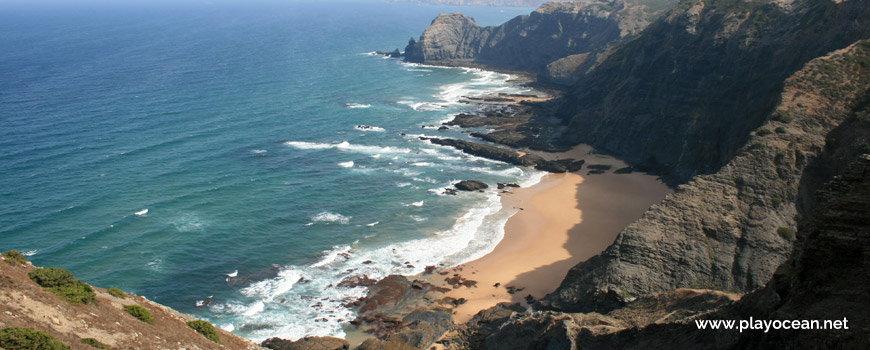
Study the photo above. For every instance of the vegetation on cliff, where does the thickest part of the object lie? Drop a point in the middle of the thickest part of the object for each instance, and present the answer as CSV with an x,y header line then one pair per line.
x,y
62,283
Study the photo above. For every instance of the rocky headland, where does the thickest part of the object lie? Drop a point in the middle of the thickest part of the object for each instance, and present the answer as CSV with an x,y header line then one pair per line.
x,y
747,109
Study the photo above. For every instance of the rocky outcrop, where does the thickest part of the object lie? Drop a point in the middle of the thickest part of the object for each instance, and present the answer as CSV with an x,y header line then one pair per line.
x,y
421,329
509,326
729,230
684,95
510,156
530,43
307,343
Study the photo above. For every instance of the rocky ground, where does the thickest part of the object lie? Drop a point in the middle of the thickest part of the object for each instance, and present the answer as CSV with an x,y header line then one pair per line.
x,y
25,304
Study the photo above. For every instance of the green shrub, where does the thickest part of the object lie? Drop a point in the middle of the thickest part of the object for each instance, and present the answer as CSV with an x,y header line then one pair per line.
x,y
206,329
51,277
62,283
739,182
776,201
140,312
779,130
77,293
763,132
785,232
95,343
14,338
117,293
782,117
14,256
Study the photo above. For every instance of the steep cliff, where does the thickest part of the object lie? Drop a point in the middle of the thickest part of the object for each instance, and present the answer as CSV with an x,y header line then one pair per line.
x,y
682,97
827,278
530,43
730,230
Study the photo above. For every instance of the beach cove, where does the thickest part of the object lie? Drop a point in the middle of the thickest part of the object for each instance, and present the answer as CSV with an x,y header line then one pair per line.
x,y
564,219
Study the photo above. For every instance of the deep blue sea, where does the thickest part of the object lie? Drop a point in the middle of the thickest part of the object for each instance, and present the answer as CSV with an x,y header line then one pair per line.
x,y
164,147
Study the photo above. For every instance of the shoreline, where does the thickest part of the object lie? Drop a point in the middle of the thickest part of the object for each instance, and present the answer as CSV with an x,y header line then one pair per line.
x,y
565,219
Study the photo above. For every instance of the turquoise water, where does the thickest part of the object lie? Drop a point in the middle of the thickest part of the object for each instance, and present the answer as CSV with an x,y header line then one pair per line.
x,y
234,125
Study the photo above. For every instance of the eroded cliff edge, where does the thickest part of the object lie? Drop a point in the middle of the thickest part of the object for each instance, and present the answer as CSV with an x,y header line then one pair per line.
x,y
556,40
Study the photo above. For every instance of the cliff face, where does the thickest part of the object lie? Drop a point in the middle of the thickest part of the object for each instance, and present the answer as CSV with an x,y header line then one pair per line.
x,y
828,278
530,43
730,230
682,97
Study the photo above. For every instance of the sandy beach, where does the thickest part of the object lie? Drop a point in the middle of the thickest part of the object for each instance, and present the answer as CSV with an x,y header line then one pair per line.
x,y
561,221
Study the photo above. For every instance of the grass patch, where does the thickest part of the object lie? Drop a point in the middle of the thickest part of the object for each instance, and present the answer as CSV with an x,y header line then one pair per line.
x,y
779,130
117,293
785,232
206,329
95,343
15,338
62,283
776,201
13,256
763,132
140,312
782,117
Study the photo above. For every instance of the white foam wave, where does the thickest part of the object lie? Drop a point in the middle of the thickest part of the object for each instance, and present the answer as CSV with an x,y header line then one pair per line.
x,y
418,218
415,204
348,164
337,253
306,299
357,105
272,288
30,252
369,128
347,146
258,151
331,217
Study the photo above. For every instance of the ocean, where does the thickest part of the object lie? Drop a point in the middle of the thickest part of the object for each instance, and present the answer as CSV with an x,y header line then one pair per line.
x,y
208,155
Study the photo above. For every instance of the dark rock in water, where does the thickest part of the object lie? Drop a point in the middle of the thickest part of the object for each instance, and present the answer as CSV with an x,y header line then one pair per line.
x,y
307,343
389,291
443,128
470,185
626,170
509,155
449,191
356,281
503,185
393,54
429,270
595,172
